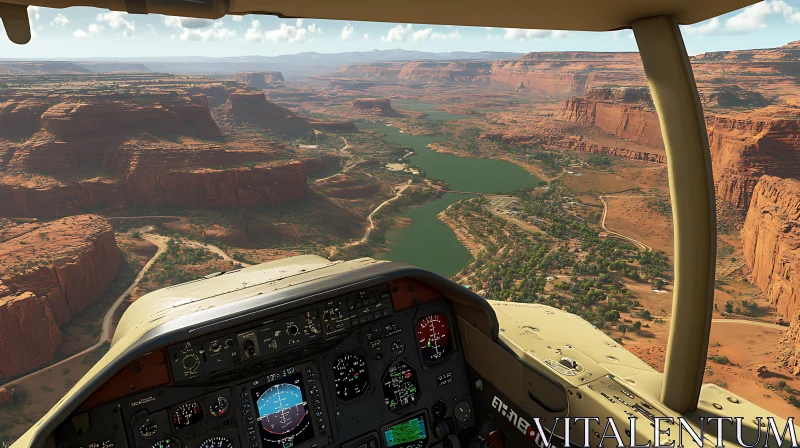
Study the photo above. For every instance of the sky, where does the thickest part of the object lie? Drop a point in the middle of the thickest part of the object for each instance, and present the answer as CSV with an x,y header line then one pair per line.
x,y
88,32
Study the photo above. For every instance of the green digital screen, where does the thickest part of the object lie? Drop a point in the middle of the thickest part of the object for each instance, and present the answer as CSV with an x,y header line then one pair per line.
x,y
407,432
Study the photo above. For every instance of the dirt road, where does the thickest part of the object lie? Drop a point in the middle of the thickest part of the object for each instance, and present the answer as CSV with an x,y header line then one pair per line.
x,y
400,191
636,242
106,332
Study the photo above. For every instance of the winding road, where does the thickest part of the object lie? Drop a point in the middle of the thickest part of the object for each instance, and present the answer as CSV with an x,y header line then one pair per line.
x,y
365,238
638,243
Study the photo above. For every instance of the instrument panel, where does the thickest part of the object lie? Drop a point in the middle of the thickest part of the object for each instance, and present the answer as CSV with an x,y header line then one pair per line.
x,y
356,371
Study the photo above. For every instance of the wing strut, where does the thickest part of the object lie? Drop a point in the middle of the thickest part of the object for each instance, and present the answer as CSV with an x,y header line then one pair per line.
x,y
691,188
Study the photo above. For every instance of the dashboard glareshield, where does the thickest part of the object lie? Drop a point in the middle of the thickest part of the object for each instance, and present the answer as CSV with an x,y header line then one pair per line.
x,y
282,412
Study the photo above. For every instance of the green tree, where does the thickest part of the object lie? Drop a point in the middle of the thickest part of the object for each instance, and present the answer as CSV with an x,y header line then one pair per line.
x,y
729,306
658,284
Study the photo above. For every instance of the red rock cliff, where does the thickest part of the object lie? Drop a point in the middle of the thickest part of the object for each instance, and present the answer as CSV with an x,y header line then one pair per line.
x,y
625,113
376,106
49,274
259,79
771,241
744,148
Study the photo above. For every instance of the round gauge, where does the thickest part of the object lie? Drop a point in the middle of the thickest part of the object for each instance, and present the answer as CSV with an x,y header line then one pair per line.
x,y
166,443
398,347
433,337
220,407
148,429
218,442
462,412
350,376
400,386
186,415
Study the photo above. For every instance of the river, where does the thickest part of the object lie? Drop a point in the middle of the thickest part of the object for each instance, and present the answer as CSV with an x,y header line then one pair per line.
x,y
428,242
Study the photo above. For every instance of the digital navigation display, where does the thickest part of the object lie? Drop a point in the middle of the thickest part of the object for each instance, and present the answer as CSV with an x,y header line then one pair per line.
x,y
411,433
283,417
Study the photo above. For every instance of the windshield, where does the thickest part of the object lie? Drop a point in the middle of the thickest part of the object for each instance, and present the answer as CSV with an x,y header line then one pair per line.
x,y
139,152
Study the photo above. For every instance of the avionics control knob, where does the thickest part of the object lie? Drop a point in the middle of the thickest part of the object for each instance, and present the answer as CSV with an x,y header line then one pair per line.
x,y
190,362
249,348
292,329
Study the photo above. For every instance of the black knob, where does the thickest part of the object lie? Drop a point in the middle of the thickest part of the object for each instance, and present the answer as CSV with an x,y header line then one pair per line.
x,y
249,348
292,329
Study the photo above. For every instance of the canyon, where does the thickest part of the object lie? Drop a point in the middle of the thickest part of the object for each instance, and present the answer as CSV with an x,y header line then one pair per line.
x,y
62,155
771,240
50,272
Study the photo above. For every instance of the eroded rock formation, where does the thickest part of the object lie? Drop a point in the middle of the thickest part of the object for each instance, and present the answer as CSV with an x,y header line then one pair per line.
x,y
771,242
259,79
625,113
49,273
374,106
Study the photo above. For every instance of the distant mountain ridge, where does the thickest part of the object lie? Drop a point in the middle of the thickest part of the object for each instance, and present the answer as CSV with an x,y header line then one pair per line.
x,y
293,66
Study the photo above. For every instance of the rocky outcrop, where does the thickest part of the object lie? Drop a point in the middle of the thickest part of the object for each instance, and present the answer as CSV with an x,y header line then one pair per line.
x,y
156,114
29,335
53,201
20,119
374,106
348,186
217,93
744,148
259,80
771,243
732,96
49,274
625,113
253,108
208,188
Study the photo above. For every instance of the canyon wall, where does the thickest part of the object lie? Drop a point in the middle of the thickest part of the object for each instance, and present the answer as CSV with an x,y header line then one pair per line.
x,y
50,272
771,242
624,113
556,73
743,147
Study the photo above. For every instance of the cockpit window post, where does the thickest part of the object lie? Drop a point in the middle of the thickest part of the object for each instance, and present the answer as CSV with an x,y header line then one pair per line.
x,y
675,96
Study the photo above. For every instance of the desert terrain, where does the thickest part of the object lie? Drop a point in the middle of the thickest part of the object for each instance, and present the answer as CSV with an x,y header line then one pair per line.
x,y
539,178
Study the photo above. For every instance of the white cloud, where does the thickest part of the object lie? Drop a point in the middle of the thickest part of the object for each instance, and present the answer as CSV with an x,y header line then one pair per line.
x,y
117,20
366,36
237,18
707,27
59,20
150,30
33,12
199,29
400,33
347,31
92,30
753,17
285,33
523,34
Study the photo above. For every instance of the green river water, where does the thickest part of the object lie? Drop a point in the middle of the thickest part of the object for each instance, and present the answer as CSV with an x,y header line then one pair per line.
x,y
428,242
